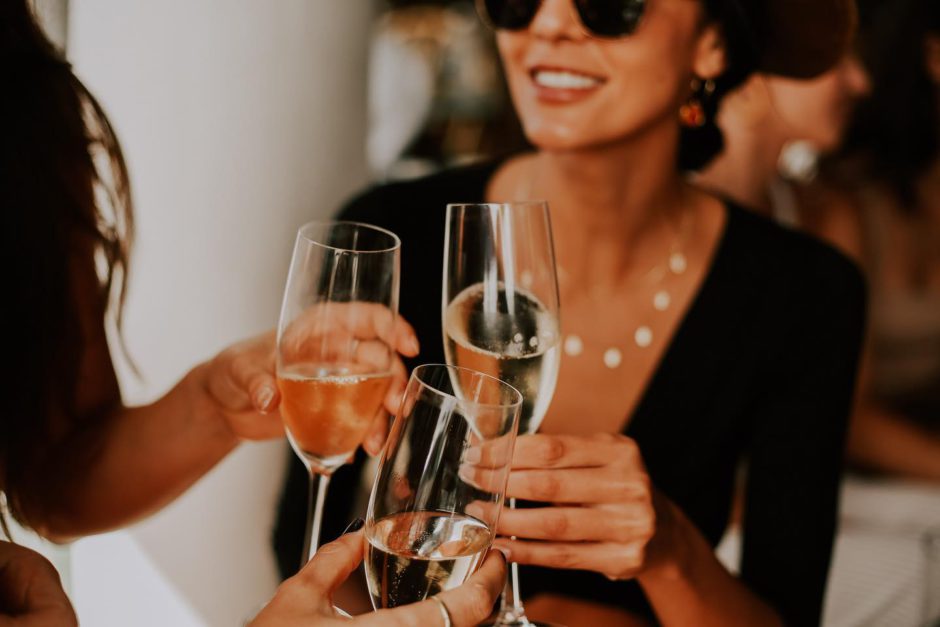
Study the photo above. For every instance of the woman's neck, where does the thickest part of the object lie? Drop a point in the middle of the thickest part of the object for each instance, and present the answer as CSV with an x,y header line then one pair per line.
x,y
609,202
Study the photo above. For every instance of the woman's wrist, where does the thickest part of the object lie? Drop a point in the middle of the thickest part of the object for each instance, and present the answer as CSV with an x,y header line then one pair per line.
x,y
671,548
205,411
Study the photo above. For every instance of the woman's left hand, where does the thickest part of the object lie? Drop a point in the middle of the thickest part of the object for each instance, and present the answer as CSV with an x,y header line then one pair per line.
x,y
306,598
603,515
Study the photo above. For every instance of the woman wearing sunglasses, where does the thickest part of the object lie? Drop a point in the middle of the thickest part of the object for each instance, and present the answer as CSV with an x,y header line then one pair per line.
x,y
696,336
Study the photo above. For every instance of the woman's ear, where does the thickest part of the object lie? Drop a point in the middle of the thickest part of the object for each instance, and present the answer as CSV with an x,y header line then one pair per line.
x,y
710,59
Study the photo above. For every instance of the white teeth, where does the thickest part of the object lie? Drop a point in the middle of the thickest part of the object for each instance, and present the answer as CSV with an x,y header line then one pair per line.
x,y
565,80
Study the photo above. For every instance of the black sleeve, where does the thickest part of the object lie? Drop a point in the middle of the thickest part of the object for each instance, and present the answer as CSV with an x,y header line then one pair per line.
x,y
799,430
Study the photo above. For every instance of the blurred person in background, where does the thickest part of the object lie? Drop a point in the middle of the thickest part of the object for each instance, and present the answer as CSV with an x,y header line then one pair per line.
x,y
751,354
882,206
74,459
879,201
775,129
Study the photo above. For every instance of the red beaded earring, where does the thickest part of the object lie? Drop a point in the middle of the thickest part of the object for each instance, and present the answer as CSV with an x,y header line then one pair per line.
x,y
692,113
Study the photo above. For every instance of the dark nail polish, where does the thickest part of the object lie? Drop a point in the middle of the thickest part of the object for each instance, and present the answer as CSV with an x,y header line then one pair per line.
x,y
354,526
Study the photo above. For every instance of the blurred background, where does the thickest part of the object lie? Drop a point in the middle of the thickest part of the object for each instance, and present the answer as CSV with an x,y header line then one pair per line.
x,y
240,120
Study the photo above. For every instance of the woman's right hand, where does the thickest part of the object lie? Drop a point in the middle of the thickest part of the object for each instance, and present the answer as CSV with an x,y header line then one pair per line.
x,y
240,385
306,598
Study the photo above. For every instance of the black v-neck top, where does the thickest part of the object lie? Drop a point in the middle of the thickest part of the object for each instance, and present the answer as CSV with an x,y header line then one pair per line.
x,y
760,372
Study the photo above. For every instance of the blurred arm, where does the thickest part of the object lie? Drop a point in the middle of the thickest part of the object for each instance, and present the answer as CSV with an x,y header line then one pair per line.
x,y
878,439
882,441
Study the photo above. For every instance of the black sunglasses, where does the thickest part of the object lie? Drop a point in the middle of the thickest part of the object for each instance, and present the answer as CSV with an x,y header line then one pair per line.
x,y
600,18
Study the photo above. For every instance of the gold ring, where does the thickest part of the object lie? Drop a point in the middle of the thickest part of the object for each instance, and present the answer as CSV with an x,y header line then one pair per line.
x,y
444,613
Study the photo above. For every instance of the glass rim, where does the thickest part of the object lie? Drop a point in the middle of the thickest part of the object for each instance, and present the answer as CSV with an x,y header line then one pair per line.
x,y
365,225
498,205
517,395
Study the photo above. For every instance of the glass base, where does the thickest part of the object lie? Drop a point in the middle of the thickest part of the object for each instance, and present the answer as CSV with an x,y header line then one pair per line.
x,y
519,622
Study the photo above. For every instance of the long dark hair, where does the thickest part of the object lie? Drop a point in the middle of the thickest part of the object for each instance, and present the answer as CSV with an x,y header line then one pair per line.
x,y
65,195
895,135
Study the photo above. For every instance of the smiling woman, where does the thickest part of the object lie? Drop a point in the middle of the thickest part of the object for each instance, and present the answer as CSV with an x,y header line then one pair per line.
x,y
735,339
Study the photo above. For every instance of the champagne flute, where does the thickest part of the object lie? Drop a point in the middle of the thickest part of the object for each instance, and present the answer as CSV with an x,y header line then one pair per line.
x,y
440,484
335,347
500,314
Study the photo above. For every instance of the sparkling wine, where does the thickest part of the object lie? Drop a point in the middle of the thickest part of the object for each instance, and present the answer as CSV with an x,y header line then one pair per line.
x,y
415,555
511,336
328,409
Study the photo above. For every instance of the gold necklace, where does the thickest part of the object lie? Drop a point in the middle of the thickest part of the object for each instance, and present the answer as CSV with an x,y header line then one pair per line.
x,y
675,265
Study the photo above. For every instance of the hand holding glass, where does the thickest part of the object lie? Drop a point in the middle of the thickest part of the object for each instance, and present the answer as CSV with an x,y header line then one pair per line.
x,y
440,485
335,347
500,314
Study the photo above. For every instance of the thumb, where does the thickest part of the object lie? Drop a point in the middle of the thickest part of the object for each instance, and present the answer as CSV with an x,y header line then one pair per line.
x,y
333,563
472,602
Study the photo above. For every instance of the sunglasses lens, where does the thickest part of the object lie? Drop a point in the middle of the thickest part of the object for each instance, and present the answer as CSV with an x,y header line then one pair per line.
x,y
510,14
610,18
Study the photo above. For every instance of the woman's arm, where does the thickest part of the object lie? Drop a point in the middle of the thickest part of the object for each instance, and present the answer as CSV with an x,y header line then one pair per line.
x,y
111,468
691,587
798,440
878,439
107,465
102,465
883,441
608,518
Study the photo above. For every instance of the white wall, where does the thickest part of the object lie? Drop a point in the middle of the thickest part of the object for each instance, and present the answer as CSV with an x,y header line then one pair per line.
x,y
240,119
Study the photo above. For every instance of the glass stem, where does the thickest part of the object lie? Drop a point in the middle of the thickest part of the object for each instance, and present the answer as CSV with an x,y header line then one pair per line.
x,y
315,500
511,611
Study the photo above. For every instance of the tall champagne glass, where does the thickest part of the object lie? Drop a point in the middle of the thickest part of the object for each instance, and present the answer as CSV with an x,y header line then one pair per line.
x,y
440,484
335,348
500,314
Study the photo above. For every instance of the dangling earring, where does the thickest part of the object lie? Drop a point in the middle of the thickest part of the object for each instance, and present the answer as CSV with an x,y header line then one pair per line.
x,y
692,113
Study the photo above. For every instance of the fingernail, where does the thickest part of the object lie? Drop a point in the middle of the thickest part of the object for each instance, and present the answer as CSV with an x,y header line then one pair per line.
x,y
472,455
354,526
415,347
264,398
466,472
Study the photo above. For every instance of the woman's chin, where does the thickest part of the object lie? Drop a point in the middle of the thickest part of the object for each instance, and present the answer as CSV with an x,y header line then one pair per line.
x,y
559,139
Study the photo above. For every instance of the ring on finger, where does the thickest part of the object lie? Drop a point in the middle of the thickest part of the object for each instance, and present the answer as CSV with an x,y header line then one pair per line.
x,y
444,613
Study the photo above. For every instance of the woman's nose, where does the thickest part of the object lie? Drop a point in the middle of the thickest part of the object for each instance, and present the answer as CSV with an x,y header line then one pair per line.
x,y
556,19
